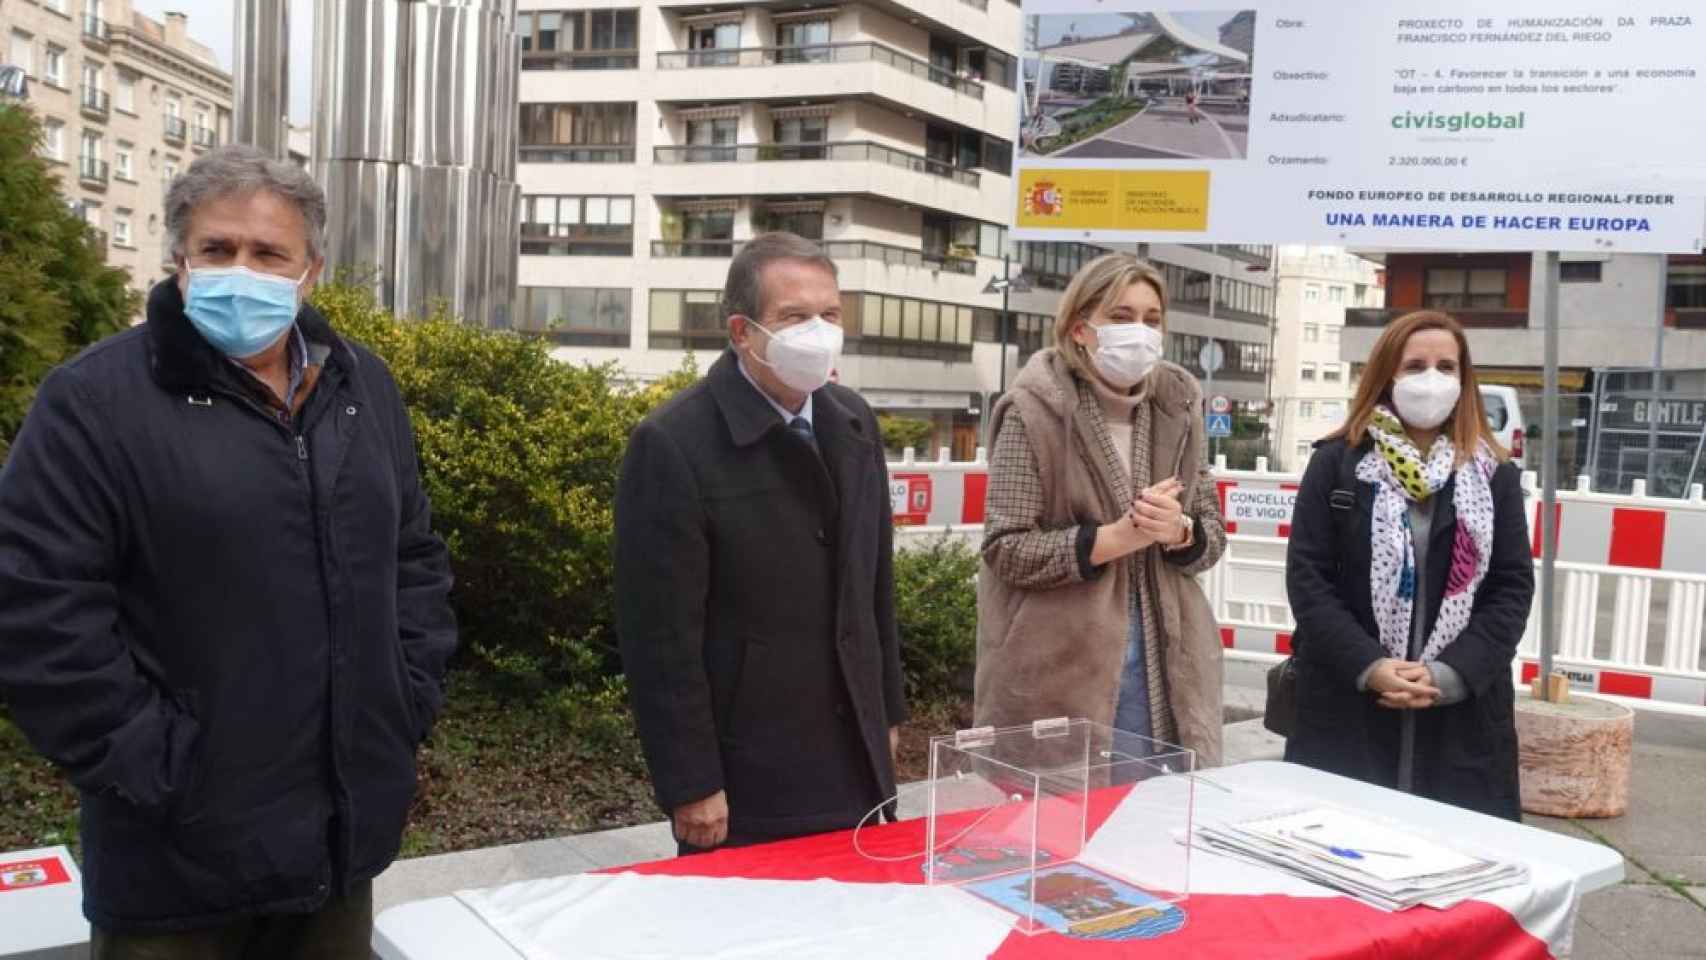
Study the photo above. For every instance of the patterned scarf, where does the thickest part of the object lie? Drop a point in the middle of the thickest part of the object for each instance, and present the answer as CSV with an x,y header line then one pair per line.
x,y
1397,469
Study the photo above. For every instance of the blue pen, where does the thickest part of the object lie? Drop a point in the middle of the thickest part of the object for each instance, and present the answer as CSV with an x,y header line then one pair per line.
x,y
1346,852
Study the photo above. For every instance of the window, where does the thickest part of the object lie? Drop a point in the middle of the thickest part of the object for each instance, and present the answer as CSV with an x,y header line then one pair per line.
x,y
577,226
579,39
1305,450
685,319
1580,271
712,141
887,326
174,106
1331,373
1335,294
577,316
1311,333
124,163
999,69
21,53
577,132
57,6
802,130
1312,293
92,214
1237,300
1186,287
91,75
121,228
91,145
1306,409
170,171
998,156
1333,410
1052,265
125,99
1241,359
714,36
1307,372
811,35
1333,334
53,70
805,220
53,140
1687,288
990,240
1455,288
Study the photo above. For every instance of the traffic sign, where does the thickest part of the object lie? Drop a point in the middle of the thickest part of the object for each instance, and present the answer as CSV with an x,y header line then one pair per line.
x,y
1220,424
1211,357
1220,404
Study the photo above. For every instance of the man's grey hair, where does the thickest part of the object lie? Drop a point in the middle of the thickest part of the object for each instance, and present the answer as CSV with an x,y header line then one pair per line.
x,y
239,169
744,291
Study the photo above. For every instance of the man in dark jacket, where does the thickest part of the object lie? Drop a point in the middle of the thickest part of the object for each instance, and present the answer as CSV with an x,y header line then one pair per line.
x,y
754,587
223,611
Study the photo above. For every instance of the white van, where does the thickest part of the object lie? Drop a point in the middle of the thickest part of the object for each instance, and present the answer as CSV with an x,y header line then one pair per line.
x,y
1504,415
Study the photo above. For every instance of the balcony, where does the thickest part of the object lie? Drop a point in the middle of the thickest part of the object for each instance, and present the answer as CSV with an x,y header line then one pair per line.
x,y
830,71
203,138
1484,319
95,102
573,153
854,52
1258,254
862,250
857,151
96,31
176,130
577,240
92,171
580,60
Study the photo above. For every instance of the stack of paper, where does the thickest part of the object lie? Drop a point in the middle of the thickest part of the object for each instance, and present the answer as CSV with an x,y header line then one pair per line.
x,y
1382,865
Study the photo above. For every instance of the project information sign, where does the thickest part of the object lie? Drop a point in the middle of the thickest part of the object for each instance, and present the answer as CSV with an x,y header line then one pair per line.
x,y
1522,124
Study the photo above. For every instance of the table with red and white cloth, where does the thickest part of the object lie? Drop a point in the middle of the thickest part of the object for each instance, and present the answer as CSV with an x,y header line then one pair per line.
x,y
819,897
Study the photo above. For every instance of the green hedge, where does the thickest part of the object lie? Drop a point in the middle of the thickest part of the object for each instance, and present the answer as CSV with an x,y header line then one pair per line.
x,y
519,454
936,606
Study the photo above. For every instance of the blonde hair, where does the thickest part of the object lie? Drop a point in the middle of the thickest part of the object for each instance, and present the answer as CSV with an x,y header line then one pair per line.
x,y
1102,280
1468,425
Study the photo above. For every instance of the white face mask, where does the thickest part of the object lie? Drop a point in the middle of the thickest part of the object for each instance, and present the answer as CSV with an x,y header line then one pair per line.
x,y
1425,400
1126,352
802,355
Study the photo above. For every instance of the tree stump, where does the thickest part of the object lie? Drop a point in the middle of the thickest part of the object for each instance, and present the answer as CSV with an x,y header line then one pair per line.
x,y
1574,756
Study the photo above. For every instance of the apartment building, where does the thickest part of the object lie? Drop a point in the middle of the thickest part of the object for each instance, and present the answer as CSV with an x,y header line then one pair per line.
x,y
126,103
1312,383
656,138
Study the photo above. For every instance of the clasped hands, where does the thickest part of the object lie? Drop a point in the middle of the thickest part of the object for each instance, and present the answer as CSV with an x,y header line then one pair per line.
x,y
1404,685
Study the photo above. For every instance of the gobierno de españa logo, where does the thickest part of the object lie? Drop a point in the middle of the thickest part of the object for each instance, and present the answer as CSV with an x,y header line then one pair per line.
x,y
1044,199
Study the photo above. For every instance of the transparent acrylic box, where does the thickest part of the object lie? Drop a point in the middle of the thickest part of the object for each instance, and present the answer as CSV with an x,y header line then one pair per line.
x,y
1012,812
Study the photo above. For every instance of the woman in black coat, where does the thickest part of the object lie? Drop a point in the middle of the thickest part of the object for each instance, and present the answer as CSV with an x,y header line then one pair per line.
x,y
1410,575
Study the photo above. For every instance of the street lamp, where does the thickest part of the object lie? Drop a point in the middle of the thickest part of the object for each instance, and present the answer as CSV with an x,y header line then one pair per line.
x,y
1006,285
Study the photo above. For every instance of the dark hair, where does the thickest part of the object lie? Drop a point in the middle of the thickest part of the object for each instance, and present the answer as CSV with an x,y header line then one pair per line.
x,y
241,169
743,294
1468,424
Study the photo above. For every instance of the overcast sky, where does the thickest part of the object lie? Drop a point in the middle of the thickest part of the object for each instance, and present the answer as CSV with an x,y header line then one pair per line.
x,y
213,22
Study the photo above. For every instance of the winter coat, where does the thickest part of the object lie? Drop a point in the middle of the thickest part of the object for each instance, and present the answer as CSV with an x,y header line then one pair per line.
x,y
227,629
1465,753
755,606
1052,633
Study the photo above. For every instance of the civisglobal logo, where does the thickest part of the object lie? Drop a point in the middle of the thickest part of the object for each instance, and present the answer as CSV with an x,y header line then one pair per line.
x,y
1459,122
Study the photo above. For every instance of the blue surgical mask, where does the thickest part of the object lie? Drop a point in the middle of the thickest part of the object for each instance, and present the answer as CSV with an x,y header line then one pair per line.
x,y
239,311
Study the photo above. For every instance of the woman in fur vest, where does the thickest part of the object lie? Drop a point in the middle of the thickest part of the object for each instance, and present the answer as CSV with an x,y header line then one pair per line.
x,y
1101,512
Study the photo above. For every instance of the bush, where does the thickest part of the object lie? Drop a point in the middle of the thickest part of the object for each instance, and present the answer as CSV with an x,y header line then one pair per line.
x,y
519,454
58,293
902,433
935,589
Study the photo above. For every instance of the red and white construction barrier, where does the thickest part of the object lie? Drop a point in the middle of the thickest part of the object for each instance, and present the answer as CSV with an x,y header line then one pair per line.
x,y
1642,558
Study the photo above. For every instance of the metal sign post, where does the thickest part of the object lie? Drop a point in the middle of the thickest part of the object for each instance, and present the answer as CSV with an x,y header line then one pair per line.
x,y
1549,480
